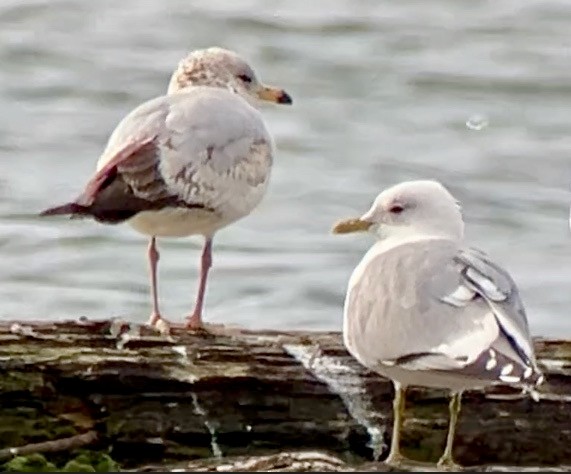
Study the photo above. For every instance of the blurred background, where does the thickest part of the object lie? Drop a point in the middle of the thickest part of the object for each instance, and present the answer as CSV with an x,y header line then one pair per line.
x,y
475,94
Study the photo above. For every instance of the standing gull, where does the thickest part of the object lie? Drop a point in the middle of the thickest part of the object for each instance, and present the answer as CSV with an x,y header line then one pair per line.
x,y
188,163
421,309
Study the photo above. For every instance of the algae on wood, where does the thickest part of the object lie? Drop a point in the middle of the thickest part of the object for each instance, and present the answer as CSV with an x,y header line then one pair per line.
x,y
232,393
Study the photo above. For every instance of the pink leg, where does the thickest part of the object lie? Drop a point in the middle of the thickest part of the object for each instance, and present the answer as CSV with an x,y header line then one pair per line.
x,y
194,321
154,255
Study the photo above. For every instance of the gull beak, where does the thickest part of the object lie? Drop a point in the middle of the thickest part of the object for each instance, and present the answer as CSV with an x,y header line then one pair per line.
x,y
274,94
348,226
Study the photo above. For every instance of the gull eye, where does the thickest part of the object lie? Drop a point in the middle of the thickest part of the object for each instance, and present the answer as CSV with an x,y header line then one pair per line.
x,y
245,78
396,209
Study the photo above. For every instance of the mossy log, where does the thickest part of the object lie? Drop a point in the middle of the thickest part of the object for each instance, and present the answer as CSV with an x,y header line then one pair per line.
x,y
230,397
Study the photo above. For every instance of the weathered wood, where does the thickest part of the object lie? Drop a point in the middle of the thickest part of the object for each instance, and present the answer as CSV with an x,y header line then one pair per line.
x,y
313,461
155,400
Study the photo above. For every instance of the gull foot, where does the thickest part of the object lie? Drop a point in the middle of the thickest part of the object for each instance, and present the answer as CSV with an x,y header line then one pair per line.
x,y
395,459
446,463
399,462
156,321
194,322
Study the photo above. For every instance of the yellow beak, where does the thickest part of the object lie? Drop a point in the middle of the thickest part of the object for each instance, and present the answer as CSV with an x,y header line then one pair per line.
x,y
274,94
348,226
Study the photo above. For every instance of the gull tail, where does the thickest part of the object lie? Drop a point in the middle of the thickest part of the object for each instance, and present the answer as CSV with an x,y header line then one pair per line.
x,y
532,383
72,209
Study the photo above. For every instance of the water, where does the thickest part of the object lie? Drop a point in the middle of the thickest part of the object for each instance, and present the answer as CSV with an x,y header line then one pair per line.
x,y
476,94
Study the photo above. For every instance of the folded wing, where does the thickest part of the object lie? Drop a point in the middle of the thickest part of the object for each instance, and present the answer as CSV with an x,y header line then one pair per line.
x,y
206,149
490,337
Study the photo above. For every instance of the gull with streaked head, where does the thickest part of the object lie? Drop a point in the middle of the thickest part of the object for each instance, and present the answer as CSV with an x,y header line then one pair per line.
x,y
187,163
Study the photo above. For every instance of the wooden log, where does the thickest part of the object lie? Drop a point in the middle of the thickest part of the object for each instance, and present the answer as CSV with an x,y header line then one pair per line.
x,y
312,461
147,400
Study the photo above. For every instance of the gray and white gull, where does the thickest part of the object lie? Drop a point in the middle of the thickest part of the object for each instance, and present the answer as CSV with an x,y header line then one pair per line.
x,y
422,309
187,163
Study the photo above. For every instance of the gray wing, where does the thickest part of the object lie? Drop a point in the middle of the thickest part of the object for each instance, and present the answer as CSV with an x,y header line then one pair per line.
x,y
487,280
433,307
210,148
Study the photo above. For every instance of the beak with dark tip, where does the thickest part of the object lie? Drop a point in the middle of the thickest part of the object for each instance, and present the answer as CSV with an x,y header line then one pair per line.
x,y
348,226
274,94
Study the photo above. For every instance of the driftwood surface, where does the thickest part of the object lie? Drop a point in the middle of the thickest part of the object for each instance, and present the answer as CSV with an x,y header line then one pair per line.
x,y
250,401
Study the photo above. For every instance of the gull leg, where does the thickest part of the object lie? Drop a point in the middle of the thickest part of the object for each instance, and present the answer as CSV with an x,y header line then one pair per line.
x,y
395,457
155,320
447,461
194,321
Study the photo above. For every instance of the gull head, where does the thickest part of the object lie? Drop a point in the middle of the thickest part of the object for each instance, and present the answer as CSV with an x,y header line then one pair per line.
x,y
410,209
218,67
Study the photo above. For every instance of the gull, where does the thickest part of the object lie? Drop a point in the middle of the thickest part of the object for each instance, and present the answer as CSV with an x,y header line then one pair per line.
x,y
187,163
422,309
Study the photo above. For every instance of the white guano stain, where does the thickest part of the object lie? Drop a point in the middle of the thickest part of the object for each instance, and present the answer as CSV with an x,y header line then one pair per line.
x,y
216,451
348,384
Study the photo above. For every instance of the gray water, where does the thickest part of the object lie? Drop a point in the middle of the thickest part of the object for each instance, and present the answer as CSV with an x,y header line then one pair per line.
x,y
383,92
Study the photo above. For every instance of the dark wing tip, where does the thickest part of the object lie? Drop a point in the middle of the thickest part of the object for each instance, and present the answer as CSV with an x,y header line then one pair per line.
x,y
71,208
